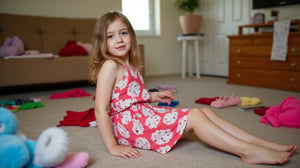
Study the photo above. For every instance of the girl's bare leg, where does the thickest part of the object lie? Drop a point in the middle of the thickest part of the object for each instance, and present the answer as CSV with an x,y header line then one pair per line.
x,y
245,136
210,133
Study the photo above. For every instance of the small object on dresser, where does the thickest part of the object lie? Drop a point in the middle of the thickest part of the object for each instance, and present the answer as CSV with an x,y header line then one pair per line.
x,y
259,18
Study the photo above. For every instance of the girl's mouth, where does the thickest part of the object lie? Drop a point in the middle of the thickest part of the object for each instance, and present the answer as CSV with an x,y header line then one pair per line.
x,y
121,47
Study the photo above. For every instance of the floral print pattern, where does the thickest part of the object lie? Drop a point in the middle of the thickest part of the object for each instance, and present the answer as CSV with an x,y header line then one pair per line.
x,y
137,123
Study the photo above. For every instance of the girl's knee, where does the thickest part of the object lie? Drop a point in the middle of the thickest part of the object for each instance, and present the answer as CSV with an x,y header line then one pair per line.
x,y
207,110
197,114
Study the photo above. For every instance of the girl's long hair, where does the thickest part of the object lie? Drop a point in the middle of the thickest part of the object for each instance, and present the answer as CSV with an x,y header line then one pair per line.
x,y
99,51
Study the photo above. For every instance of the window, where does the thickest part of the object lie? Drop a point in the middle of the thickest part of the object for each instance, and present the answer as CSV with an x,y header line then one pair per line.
x,y
144,16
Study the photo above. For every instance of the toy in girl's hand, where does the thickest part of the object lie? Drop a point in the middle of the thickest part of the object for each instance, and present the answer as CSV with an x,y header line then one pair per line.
x,y
50,150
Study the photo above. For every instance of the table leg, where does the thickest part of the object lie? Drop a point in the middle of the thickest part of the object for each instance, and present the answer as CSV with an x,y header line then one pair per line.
x,y
183,58
190,59
197,59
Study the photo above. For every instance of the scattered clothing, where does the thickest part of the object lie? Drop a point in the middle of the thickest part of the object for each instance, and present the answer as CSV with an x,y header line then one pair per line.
x,y
16,104
226,101
87,46
206,100
286,114
249,101
81,119
71,93
20,101
12,108
172,104
93,124
72,49
41,55
30,105
153,90
166,87
261,111
6,103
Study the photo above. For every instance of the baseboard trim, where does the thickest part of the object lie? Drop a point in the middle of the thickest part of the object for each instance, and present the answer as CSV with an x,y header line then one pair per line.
x,y
43,87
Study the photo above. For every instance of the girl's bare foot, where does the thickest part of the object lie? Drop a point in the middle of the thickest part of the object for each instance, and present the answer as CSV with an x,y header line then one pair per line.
x,y
279,147
258,155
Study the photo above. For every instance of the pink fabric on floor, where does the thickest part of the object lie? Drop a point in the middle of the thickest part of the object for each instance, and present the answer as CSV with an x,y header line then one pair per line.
x,y
71,93
286,114
81,119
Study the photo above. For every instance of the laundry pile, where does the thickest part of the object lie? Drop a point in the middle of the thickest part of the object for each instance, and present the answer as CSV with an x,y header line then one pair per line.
x,y
287,113
16,104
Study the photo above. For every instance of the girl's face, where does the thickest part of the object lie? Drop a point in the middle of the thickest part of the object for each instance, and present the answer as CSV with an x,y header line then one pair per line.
x,y
118,39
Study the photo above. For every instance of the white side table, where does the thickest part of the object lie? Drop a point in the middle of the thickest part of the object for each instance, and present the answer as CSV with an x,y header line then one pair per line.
x,y
184,39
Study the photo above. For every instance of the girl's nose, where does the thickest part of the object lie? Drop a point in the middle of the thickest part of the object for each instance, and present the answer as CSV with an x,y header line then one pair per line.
x,y
119,39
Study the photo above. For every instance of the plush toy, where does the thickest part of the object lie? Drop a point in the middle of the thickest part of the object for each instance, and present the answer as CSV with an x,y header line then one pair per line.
x,y
50,150
12,46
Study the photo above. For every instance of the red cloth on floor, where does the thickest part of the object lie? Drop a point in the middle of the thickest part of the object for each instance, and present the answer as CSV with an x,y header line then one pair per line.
x,y
261,111
81,119
206,100
71,93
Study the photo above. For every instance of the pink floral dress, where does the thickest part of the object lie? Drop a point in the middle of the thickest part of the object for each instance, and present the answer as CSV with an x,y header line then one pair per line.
x,y
137,123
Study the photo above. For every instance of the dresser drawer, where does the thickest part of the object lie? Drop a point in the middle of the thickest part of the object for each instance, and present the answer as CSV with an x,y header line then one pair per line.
x,y
292,64
264,78
241,42
250,50
263,41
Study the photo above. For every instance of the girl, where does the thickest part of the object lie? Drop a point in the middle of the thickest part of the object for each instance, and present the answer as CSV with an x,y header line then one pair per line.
x,y
133,123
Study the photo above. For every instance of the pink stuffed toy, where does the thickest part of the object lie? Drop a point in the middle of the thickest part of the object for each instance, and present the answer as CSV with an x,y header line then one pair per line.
x,y
75,160
12,46
286,114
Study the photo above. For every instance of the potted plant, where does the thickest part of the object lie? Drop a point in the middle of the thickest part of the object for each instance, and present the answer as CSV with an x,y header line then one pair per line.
x,y
189,22
274,15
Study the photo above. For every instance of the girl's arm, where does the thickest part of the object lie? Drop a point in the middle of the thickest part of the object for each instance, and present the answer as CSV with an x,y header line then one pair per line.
x,y
105,83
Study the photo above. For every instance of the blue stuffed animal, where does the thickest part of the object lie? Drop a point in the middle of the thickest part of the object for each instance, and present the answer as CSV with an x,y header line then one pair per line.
x,y
16,151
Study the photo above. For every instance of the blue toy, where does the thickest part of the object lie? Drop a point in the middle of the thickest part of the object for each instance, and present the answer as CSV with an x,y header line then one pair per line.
x,y
16,151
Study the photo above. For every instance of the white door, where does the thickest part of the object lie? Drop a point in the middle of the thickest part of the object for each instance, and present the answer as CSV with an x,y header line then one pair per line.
x,y
221,18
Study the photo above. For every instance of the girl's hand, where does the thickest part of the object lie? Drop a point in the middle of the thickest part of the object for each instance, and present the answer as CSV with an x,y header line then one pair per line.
x,y
124,152
162,96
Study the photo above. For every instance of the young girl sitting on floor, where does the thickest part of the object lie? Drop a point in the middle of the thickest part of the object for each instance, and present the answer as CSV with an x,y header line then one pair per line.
x,y
127,121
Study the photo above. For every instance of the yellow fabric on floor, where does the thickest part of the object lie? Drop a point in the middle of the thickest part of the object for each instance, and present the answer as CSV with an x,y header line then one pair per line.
x,y
249,101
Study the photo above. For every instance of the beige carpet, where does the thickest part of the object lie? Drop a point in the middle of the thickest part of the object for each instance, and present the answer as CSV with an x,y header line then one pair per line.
x,y
187,153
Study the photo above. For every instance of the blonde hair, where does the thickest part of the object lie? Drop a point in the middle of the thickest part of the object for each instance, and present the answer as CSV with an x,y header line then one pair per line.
x,y
99,52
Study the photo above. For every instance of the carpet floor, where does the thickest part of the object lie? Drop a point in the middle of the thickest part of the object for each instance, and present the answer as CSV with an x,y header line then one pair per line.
x,y
189,153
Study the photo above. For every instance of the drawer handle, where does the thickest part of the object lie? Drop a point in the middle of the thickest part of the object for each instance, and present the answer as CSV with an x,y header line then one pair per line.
x,y
293,64
238,50
238,75
293,80
294,50
238,62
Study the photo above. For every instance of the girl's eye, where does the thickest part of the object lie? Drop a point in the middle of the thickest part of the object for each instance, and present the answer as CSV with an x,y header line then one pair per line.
x,y
110,36
124,33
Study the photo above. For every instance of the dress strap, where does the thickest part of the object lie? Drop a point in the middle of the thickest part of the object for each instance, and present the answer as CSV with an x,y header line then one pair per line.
x,y
124,66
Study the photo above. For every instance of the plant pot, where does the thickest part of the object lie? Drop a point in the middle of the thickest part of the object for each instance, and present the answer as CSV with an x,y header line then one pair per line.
x,y
190,24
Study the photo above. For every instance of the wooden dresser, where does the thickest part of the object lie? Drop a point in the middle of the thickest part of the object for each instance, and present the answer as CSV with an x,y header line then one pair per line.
x,y
250,60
